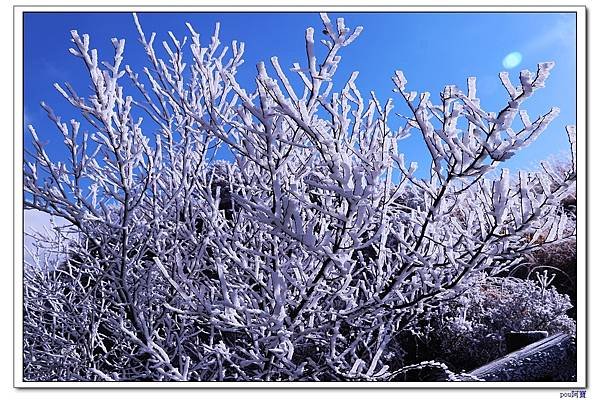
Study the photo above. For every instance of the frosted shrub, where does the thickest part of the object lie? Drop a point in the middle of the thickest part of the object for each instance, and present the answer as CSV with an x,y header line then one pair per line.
x,y
301,257
470,331
559,257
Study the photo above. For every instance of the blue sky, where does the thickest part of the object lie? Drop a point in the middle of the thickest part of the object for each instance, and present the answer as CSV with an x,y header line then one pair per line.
x,y
433,49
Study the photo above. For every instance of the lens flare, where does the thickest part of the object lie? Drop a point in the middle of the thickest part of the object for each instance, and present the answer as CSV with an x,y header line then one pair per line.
x,y
512,60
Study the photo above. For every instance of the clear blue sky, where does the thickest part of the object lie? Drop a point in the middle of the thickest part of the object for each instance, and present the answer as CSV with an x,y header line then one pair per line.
x,y
433,49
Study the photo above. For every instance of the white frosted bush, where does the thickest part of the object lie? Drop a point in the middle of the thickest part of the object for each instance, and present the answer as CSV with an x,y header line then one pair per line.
x,y
297,260
471,330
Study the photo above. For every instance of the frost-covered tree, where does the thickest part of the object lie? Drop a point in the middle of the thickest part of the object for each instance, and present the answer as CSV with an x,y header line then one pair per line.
x,y
298,260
